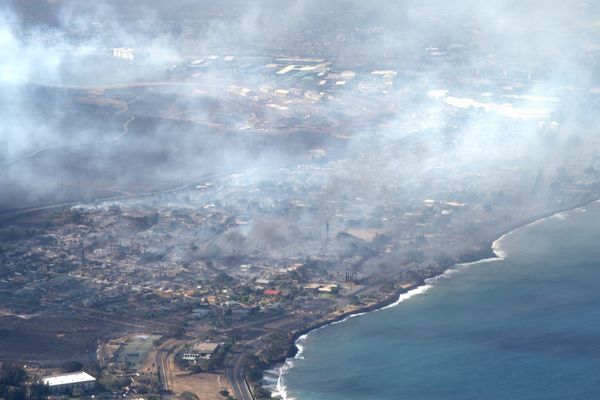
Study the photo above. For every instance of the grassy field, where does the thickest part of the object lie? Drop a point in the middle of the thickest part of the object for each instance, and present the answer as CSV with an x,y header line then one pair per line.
x,y
135,352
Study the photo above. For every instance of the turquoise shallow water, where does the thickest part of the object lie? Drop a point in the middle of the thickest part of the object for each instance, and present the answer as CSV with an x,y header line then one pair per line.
x,y
526,327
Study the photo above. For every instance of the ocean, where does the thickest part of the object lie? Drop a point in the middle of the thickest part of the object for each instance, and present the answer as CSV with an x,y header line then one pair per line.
x,y
524,326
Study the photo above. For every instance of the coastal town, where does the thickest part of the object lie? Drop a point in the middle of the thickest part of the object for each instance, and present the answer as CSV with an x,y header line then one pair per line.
x,y
201,289
220,205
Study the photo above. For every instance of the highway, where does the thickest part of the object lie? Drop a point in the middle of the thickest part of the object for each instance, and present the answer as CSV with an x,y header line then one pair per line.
x,y
84,144
162,363
235,376
162,368
13,214
7,216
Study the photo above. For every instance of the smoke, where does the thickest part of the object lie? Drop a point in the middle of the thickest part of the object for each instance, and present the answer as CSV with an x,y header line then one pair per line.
x,y
454,102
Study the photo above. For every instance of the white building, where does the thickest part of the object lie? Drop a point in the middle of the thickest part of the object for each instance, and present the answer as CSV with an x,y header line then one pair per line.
x,y
68,382
201,351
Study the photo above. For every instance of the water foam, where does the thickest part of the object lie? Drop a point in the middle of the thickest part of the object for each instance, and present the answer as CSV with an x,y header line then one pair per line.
x,y
280,388
499,254
411,293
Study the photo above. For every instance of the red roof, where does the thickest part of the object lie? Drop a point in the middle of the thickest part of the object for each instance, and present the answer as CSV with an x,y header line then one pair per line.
x,y
272,292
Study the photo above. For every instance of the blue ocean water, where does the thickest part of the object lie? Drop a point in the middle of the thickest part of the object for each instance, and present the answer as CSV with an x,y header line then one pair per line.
x,y
525,327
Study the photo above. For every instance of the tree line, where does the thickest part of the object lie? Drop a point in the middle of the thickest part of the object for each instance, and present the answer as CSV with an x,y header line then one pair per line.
x,y
16,384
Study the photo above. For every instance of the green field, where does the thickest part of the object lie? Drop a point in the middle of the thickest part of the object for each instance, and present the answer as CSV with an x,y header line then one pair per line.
x,y
136,350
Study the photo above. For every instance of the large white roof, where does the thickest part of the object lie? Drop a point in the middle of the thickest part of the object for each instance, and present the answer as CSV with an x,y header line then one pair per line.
x,y
65,379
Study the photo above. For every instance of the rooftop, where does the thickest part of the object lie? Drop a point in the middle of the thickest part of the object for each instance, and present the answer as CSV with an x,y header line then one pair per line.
x,y
66,379
206,347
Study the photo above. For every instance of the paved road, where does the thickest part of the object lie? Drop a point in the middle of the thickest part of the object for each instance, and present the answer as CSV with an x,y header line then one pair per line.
x,y
162,367
235,376
162,363
5,217
84,144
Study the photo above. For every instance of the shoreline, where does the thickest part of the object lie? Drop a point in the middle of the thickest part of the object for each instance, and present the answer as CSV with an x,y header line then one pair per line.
x,y
399,296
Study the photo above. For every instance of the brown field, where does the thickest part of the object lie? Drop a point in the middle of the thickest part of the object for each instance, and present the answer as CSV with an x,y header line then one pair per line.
x,y
204,385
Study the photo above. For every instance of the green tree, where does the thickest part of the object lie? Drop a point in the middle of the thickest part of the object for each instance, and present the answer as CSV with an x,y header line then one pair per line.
x,y
255,374
178,331
93,368
38,391
12,374
12,392
188,396
195,369
261,393
72,366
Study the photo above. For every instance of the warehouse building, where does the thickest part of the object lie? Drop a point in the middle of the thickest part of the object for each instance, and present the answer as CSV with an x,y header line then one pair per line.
x,y
68,382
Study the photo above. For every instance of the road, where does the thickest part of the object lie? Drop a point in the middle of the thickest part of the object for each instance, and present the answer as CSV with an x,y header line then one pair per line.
x,y
235,369
5,217
84,144
235,376
163,367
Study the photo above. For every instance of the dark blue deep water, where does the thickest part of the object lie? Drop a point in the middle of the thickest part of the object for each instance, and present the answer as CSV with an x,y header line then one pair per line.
x,y
526,327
